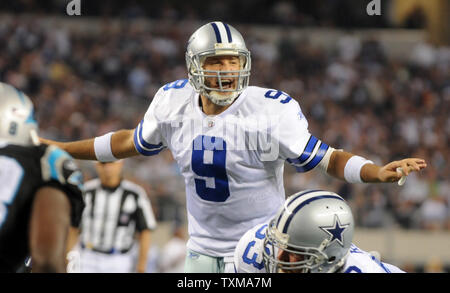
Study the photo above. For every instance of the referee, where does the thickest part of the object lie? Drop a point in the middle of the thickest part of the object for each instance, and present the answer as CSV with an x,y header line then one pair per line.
x,y
116,212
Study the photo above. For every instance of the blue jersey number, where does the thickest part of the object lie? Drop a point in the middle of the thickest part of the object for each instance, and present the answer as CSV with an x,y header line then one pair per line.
x,y
252,260
209,160
178,84
353,269
274,94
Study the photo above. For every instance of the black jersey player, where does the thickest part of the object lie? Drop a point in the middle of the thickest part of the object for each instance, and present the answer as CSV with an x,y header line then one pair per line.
x,y
40,191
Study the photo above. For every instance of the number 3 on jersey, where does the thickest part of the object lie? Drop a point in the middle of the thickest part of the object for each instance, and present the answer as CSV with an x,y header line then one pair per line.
x,y
209,160
252,260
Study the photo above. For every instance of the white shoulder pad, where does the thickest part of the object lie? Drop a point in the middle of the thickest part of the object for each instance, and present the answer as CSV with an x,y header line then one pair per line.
x,y
170,99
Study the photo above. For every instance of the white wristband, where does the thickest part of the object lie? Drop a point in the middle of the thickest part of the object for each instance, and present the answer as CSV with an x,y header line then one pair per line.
x,y
102,148
352,170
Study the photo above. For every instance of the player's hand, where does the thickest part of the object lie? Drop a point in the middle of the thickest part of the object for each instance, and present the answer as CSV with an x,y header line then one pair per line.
x,y
50,142
388,173
45,141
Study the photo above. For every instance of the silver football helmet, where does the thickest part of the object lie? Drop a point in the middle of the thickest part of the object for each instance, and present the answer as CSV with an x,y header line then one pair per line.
x,y
17,123
316,227
217,39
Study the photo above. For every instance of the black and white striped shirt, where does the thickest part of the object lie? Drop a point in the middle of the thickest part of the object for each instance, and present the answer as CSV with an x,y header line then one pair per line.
x,y
112,216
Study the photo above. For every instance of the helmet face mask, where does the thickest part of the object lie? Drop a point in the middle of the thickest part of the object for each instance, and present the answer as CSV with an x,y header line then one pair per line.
x,y
207,42
311,234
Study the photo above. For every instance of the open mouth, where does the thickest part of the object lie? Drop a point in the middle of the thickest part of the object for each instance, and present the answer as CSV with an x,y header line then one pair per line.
x,y
228,84
225,84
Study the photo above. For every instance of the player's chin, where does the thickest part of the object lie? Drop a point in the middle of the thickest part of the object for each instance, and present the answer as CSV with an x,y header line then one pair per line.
x,y
223,93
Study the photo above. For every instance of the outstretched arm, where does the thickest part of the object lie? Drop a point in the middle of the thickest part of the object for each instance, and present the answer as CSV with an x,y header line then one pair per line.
x,y
370,172
122,146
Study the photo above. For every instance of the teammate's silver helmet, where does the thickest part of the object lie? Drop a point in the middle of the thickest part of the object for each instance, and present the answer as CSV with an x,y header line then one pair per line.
x,y
217,39
17,123
317,226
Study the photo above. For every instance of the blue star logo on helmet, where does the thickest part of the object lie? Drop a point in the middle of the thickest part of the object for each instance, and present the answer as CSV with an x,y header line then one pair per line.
x,y
336,231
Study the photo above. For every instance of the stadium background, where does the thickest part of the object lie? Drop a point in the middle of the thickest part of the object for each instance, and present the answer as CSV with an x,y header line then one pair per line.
x,y
378,86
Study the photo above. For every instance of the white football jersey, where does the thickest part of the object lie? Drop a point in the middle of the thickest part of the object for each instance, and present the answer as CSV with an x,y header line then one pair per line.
x,y
233,162
248,256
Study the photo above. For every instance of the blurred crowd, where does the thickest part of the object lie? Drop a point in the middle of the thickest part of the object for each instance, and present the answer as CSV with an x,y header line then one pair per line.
x,y
324,13
355,97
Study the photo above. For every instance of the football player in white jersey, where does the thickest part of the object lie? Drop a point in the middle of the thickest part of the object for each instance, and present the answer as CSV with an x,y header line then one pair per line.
x,y
230,141
311,233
